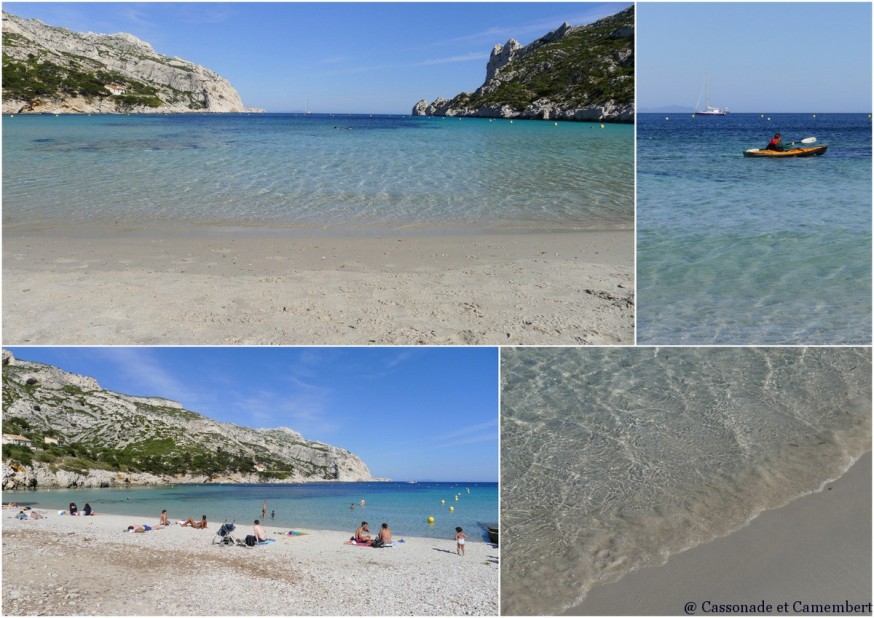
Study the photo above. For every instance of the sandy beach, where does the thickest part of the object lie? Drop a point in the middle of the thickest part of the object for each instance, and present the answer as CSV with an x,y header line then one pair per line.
x,y
814,551
89,566
132,288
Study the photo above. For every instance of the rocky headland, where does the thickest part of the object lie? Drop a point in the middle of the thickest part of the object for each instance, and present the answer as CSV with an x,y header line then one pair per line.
x,y
78,434
54,70
583,73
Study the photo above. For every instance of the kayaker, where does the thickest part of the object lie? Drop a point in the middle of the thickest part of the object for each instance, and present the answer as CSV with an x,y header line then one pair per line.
x,y
776,143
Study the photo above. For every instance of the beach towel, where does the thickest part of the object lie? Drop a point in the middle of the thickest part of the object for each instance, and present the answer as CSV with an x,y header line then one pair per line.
x,y
292,533
358,543
266,542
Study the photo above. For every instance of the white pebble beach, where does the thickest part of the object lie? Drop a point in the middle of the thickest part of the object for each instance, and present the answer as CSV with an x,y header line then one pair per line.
x,y
64,565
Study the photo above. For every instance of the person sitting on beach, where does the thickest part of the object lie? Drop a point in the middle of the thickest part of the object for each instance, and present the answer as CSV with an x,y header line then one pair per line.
x,y
195,524
776,143
385,534
260,535
87,510
164,521
139,528
73,509
362,534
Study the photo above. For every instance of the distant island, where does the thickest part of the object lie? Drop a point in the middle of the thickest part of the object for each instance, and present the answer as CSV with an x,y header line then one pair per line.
x,y
64,430
583,73
54,70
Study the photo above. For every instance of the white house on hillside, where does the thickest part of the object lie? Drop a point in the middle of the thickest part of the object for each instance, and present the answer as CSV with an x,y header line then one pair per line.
x,y
11,438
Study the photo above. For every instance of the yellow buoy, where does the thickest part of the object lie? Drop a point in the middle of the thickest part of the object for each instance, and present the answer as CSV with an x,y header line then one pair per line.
x,y
456,498
602,126
443,502
451,508
431,520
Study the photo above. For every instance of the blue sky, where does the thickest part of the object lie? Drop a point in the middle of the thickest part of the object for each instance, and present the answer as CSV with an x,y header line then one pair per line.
x,y
409,413
761,57
339,57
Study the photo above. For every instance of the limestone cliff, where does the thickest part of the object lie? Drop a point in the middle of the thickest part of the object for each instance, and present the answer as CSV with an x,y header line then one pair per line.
x,y
573,73
54,70
84,436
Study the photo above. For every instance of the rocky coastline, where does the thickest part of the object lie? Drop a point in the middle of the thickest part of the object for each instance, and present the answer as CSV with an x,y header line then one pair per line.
x,y
574,73
51,70
17,477
62,430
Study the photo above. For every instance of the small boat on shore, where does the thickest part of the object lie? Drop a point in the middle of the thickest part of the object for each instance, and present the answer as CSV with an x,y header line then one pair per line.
x,y
811,151
492,529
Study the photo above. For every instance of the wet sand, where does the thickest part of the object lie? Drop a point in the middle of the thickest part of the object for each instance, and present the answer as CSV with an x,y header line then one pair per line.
x,y
814,551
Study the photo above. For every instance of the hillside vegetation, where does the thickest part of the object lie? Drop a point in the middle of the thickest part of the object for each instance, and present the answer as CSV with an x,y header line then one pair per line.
x,y
101,430
574,72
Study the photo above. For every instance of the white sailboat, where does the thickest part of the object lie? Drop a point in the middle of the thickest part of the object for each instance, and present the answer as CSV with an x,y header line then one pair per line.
x,y
708,110
308,112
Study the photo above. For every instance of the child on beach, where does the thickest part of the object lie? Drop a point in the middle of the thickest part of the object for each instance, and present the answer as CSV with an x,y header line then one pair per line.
x,y
459,540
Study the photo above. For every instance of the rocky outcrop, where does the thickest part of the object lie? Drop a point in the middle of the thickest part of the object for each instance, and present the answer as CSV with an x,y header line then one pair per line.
x,y
145,440
54,70
583,73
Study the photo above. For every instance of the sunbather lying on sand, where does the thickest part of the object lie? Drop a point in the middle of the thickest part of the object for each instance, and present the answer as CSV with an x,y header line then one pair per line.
x,y
139,528
194,524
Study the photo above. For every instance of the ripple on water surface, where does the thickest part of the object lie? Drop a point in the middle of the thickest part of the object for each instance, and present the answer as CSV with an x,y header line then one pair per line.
x,y
736,251
613,459
349,173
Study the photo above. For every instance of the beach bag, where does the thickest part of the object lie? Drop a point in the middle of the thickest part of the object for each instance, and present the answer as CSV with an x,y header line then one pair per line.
x,y
251,541
377,542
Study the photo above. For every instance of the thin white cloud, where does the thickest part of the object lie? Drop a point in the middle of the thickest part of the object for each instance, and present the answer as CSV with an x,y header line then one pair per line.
x,y
398,359
335,60
472,434
473,56
143,366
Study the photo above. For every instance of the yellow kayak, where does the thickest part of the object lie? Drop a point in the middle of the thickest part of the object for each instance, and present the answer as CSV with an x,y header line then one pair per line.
x,y
812,151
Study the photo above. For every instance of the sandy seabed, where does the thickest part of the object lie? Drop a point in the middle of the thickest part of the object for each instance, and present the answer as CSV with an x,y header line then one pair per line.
x,y
65,565
563,288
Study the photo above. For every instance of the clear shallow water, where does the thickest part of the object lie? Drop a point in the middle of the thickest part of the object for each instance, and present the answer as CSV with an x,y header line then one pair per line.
x,y
614,459
733,250
349,174
321,506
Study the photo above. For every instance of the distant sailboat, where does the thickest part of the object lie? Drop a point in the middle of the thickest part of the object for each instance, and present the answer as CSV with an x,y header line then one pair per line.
x,y
708,110
308,112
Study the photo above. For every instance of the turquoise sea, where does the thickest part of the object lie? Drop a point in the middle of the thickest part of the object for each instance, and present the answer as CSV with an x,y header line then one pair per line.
x,y
350,175
733,250
613,459
321,506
